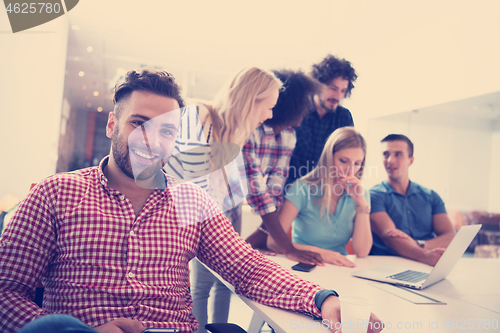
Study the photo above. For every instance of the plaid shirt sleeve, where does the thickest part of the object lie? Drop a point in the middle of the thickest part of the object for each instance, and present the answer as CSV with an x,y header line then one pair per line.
x,y
251,273
23,261
266,196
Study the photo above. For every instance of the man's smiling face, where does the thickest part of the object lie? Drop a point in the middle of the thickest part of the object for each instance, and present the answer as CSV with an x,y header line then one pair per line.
x,y
143,138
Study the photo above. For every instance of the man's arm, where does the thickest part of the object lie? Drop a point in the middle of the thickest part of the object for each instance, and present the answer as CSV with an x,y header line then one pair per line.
x,y
25,248
441,224
405,246
444,231
250,272
255,276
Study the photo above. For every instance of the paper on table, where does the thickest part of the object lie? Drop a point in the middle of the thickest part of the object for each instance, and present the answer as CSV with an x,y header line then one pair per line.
x,y
406,294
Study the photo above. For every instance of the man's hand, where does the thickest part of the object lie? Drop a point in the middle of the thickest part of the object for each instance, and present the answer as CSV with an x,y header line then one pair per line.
x,y
307,257
431,257
330,312
121,325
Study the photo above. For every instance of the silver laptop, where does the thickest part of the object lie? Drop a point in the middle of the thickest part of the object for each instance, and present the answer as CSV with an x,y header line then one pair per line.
x,y
419,280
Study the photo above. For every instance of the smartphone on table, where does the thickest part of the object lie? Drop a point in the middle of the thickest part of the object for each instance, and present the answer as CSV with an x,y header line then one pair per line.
x,y
303,267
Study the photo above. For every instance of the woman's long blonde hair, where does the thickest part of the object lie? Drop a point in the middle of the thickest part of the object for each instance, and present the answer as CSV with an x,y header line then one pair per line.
x,y
231,110
320,176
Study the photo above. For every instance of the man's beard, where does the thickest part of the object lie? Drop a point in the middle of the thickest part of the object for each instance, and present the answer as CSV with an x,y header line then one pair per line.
x,y
121,155
323,104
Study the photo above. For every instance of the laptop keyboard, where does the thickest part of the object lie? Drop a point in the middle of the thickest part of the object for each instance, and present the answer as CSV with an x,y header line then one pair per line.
x,y
409,276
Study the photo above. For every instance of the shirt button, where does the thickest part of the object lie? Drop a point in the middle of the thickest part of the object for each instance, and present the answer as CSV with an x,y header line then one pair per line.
x,y
131,275
122,197
132,233
409,212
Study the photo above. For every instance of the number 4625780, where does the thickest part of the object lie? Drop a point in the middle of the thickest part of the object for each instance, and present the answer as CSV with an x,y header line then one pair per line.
x,y
33,8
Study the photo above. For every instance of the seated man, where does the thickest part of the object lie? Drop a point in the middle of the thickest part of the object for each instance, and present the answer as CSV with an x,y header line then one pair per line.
x,y
407,219
111,244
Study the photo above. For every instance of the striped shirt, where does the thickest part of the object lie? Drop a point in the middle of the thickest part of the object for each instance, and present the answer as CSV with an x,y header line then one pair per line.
x,y
191,158
98,261
191,161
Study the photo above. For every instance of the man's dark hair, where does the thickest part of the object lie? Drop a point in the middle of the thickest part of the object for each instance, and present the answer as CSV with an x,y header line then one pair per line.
x,y
294,98
331,68
150,80
400,137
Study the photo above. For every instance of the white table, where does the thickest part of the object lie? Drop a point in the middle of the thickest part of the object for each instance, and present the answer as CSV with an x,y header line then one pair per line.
x,y
471,291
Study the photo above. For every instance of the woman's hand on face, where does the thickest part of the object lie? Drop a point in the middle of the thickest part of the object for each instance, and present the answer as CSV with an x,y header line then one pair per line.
x,y
335,258
354,187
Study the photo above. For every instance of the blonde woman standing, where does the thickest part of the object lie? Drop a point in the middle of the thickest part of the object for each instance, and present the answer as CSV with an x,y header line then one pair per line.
x,y
212,134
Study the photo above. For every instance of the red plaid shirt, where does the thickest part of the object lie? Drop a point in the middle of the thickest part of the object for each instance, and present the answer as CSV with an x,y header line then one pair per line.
x,y
267,155
98,261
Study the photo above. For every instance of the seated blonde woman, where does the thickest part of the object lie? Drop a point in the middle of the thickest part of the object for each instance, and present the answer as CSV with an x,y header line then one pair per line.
x,y
329,206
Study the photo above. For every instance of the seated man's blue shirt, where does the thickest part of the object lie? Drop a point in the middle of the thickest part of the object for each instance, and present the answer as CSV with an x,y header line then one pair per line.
x,y
309,228
411,213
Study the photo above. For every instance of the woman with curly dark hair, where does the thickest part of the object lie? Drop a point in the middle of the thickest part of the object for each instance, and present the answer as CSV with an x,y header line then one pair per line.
x,y
267,156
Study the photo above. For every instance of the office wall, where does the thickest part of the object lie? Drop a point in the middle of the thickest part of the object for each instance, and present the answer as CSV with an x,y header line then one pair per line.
x,y
449,55
494,190
32,65
408,54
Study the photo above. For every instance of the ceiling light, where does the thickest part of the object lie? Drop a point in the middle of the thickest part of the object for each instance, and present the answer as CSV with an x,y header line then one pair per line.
x,y
96,93
90,49
99,109
89,104
81,73
75,27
